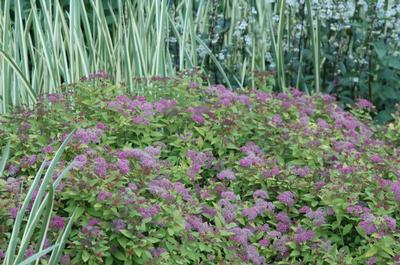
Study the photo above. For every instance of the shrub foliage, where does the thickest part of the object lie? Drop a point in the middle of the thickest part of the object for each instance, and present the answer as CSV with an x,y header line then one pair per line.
x,y
210,176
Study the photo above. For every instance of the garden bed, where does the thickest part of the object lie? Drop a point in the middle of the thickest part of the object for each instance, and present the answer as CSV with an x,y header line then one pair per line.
x,y
209,176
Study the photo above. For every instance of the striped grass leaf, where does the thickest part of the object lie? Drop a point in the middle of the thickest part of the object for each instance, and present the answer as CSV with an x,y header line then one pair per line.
x,y
18,71
37,256
4,157
39,206
315,43
277,42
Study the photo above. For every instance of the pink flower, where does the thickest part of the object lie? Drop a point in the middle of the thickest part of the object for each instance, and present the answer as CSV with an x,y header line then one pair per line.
x,y
79,161
198,118
282,227
57,222
229,195
264,242
260,194
140,120
29,252
65,260
322,124
101,166
368,227
150,211
251,213
47,149
274,171
263,97
396,190
276,120
303,236
364,104
119,224
123,166
304,209
226,174
249,161
371,260
103,195
390,222
157,252
286,198
376,159
14,212
241,235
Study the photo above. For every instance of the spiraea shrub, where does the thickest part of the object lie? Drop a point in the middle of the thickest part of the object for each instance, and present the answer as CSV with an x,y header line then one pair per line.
x,y
205,175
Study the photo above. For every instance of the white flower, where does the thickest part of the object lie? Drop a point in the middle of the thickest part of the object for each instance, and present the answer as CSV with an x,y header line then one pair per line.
x,y
268,57
380,5
221,56
363,5
237,33
202,51
242,25
247,40
291,2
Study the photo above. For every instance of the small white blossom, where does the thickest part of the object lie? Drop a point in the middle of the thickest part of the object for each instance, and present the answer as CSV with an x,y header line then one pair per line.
x,y
202,51
237,33
247,40
243,25
268,57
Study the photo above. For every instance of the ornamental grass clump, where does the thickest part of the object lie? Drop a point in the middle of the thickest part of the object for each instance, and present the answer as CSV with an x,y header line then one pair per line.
x,y
209,175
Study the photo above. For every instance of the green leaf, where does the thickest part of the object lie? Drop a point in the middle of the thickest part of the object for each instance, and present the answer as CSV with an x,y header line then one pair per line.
x,y
119,255
122,241
347,229
23,78
371,252
380,49
394,62
292,245
388,250
360,231
295,253
4,158
170,231
127,233
138,252
85,256
152,239
109,261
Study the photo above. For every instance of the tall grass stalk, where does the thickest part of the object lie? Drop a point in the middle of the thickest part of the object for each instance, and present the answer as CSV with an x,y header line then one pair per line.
x,y
48,43
4,157
313,26
44,43
277,42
